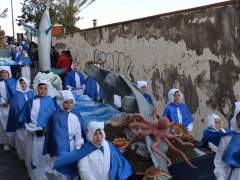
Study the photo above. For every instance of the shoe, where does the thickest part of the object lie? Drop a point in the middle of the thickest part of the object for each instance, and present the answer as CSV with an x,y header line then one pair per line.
x,y
6,147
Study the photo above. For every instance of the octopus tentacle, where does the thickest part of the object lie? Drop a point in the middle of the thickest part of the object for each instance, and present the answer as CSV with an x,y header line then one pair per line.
x,y
154,147
171,137
174,149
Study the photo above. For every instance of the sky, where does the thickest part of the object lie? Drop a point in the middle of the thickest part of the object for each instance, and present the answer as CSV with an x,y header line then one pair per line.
x,y
109,11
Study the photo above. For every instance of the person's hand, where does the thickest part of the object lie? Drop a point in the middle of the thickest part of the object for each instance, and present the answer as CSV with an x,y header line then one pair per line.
x,y
6,104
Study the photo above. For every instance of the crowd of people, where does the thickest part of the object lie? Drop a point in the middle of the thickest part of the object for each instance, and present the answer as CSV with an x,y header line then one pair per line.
x,y
42,129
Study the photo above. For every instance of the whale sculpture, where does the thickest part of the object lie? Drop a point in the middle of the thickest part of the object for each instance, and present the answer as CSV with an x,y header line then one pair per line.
x,y
44,39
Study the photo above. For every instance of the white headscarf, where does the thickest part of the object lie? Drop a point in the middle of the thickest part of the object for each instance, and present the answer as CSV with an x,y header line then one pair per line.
x,y
66,95
211,121
6,68
171,95
18,87
140,84
233,121
41,81
92,127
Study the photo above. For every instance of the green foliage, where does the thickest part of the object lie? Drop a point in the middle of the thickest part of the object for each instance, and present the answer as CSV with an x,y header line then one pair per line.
x,y
61,11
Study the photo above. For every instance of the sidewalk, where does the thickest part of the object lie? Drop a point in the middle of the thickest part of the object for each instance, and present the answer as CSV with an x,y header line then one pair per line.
x,y
11,168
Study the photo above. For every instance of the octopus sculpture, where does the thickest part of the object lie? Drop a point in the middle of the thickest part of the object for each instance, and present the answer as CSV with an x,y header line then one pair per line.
x,y
159,129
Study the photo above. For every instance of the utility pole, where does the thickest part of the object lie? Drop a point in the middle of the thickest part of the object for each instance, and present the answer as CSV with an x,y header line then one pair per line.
x,y
12,22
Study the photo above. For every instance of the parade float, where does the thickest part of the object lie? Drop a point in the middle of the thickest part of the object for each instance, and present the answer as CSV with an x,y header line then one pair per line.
x,y
15,56
136,130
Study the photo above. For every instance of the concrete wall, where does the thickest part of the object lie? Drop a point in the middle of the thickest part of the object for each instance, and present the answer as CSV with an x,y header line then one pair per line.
x,y
196,50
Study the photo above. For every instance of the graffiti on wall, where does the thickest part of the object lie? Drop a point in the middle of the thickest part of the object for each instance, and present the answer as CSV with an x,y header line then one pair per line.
x,y
116,61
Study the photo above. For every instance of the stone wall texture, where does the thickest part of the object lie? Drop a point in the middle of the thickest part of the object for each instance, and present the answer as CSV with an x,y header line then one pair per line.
x,y
195,50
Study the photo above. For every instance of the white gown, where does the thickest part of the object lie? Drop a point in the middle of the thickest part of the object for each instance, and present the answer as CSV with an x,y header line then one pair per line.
x,y
222,170
96,165
38,160
5,138
20,140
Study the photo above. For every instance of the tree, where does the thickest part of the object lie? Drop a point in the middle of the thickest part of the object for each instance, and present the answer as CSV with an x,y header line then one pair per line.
x,y
61,11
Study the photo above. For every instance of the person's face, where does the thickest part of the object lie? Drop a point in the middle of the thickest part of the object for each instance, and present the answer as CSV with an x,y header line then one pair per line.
x,y
23,85
75,66
4,75
143,89
238,120
218,123
67,105
97,138
177,97
42,90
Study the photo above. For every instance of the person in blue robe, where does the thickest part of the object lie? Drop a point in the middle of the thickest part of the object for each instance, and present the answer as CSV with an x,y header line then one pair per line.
x,y
64,132
7,90
34,117
22,94
227,158
74,79
214,132
92,89
98,158
25,46
142,86
178,112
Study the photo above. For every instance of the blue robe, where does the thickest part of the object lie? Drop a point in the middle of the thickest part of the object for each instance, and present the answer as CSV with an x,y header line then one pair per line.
x,y
213,136
66,164
25,47
91,89
231,155
70,79
171,113
57,139
17,104
47,107
10,84
148,98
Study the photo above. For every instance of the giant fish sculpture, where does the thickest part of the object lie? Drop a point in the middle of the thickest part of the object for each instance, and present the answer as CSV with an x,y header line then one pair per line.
x,y
44,39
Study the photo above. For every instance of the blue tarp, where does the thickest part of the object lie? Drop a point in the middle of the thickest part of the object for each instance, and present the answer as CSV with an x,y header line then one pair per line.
x,y
92,111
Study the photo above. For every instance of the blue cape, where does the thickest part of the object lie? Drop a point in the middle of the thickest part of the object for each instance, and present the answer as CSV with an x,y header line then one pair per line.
x,y
148,98
57,138
213,136
17,104
66,164
47,107
70,78
231,155
91,89
171,113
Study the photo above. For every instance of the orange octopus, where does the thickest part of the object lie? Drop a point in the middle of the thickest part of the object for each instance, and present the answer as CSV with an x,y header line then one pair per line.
x,y
159,129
